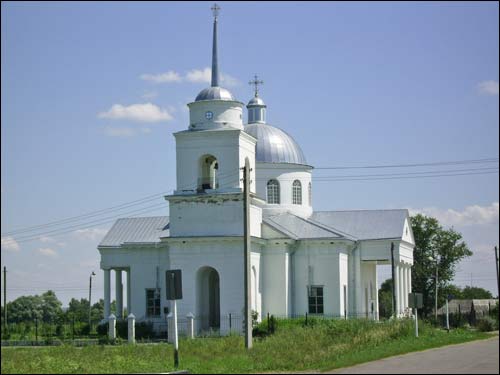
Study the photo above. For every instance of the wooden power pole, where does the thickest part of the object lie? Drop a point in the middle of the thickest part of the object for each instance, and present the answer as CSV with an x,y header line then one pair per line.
x,y
246,249
5,299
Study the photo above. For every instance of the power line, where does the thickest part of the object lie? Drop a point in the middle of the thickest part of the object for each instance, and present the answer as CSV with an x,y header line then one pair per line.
x,y
456,162
104,210
100,221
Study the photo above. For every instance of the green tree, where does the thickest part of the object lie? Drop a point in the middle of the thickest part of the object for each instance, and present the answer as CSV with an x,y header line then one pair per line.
x,y
79,309
472,292
432,241
385,299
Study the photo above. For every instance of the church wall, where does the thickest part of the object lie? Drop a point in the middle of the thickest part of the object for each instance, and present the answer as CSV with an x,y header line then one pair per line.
x,y
320,264
229,147
275,260
226,258
285,174
195,217
142,262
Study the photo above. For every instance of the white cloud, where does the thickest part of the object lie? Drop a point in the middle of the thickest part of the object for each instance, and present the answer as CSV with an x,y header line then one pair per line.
x,y
470,215
199,75
488,87
146,112
166,77
48,252
205,76
10,244
90,233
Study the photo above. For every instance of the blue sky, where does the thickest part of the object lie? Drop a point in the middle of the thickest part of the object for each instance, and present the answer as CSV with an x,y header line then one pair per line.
x,y
86,124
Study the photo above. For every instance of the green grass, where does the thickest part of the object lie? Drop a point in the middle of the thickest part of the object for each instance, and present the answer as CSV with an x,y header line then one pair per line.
x,y
322,345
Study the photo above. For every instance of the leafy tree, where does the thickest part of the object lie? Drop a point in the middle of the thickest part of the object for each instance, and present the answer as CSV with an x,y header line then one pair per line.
x,y
385,299
470,292
46,307
432,241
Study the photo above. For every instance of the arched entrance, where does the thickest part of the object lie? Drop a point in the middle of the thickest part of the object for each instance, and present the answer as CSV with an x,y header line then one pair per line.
x,y
208,298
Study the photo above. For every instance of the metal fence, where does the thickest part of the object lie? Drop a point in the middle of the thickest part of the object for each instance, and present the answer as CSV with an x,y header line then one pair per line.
x,y
65,331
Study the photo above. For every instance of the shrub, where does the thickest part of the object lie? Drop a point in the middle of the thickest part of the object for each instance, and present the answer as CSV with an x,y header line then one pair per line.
x,y
122,328
144,330
486,324
102,329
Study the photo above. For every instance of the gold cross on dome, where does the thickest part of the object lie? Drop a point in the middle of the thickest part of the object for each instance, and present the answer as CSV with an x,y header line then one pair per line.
x,y
256,82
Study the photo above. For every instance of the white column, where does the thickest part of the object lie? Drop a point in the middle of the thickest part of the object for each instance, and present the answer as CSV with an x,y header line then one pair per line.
x,y
405,286
129,303
358,293
409,279
131,328
376,292
107,293
396,287
401,288
112,327
119,293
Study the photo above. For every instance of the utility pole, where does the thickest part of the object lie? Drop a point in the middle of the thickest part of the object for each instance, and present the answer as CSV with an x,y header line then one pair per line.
x,y
246,249
5,299
90,303
496,263
393,282
436,294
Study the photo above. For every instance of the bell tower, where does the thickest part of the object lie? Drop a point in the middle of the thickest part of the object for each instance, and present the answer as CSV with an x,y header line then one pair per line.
x,y
210,154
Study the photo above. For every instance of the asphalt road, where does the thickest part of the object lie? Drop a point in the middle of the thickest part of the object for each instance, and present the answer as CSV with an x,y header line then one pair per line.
x,y
477,357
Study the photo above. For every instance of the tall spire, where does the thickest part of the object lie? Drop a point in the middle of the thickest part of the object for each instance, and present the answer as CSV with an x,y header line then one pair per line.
x,y
215,64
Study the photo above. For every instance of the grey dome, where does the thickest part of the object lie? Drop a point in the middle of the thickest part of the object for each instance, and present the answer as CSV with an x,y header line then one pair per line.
x,y
274,145
256,101
214,93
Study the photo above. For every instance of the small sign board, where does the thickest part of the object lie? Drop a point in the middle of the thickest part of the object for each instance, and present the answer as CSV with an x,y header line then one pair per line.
x,y
415,300
173,279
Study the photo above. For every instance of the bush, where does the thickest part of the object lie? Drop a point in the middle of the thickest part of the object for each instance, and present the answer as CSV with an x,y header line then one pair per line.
x,y
122,328
144,330
486,324
102,329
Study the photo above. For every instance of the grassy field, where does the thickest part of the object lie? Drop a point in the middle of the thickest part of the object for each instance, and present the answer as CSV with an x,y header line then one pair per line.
x,y
321,345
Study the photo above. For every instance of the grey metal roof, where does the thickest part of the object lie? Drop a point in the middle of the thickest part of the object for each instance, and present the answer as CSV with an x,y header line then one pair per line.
x,y
365,224
137,229
214,93
299,228
275,145
256,101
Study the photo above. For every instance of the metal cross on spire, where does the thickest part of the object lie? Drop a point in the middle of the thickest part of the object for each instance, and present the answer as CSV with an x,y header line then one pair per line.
x,y
256,82
215,10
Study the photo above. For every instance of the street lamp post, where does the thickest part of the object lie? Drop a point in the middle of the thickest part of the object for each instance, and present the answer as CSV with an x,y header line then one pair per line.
x,y
90,301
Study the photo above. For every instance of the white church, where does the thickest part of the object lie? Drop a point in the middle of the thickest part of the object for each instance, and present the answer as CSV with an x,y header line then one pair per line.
x,y
302,261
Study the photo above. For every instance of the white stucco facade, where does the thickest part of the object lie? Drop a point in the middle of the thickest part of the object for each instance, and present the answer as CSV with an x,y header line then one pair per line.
x,y
302,261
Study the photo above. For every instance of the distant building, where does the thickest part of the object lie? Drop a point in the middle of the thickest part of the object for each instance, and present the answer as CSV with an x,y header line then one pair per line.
x,y
322,262
477,307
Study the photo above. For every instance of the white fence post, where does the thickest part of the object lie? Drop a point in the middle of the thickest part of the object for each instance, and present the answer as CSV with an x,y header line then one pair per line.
x,y
112,327
131,328
170,320
190,325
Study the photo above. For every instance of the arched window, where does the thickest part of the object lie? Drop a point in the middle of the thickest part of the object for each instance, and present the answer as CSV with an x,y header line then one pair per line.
x,y
208,173
273,192
297,192
310,195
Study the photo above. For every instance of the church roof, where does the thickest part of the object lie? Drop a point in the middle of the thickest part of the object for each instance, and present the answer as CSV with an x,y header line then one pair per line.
x,y
365,224
275,145
137,230
299,228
